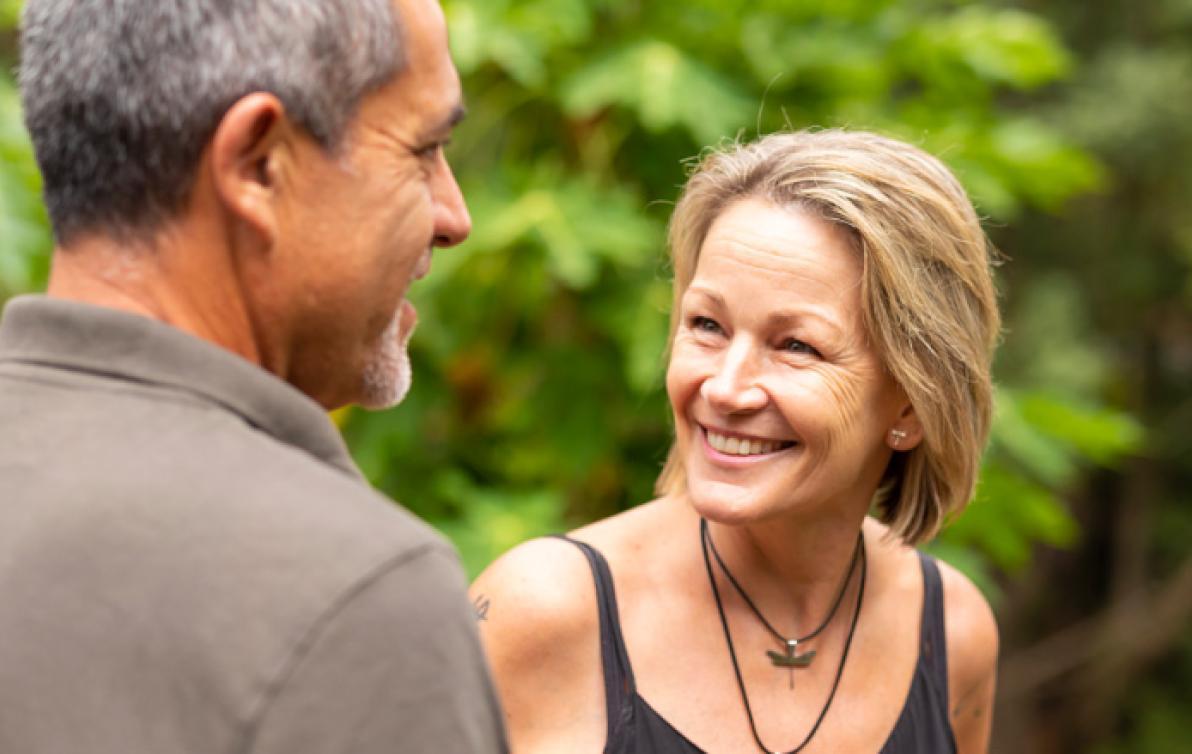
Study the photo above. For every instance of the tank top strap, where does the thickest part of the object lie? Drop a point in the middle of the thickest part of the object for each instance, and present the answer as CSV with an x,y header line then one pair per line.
x,y
923,726
618,675
933,641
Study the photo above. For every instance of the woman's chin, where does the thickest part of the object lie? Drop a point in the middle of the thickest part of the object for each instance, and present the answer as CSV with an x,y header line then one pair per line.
x,y
725,503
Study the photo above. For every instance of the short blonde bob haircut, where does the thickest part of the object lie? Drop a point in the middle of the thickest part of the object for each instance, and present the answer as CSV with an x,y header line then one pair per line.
x,y
930,308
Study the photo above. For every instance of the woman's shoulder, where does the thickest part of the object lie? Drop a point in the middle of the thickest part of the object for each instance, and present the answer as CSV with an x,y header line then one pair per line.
x,y
968,617
969,624
971,636
971,639
968,621
539,621
541,591
536,607
548,582
970,629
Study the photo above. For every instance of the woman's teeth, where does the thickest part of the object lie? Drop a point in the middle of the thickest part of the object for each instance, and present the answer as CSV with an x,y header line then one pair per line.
x,y
740,446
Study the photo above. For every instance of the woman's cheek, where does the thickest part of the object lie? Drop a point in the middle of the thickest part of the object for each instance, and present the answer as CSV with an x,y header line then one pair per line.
x,y
682,374
845,396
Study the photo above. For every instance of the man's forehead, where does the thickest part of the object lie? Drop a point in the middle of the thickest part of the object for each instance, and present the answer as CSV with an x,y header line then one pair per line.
x,y
429,75
422,23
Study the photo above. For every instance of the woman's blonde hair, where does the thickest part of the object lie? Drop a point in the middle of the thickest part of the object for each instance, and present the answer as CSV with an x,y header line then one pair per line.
x,y
930,308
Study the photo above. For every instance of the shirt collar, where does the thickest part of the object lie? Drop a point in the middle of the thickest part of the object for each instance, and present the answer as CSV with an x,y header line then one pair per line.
x,y
86,338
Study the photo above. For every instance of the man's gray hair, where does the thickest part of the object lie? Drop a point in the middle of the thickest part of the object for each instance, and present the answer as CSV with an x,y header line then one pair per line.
x,y
122,96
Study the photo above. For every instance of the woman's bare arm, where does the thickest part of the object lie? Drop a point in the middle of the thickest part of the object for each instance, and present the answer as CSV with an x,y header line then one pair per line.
x,y
536,607
972,646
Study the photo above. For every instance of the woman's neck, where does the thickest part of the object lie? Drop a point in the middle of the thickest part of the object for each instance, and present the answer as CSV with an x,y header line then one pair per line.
x,y
792,570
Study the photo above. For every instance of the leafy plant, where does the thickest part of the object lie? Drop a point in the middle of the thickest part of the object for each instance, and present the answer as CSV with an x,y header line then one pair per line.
x,y
538,402
540,358
23,225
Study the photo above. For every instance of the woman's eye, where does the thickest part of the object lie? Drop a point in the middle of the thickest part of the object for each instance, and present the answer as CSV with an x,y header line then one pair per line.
x,y
704,324
794,345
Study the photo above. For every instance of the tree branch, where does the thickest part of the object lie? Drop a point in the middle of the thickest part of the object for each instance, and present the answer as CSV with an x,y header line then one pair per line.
x,y
1120,639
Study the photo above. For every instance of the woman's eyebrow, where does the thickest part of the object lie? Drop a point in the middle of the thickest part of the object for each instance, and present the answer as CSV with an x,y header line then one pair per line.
x,y
796,316
698,290
782,317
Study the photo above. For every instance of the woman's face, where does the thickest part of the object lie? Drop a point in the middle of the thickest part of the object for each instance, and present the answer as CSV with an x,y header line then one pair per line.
x,y
781,404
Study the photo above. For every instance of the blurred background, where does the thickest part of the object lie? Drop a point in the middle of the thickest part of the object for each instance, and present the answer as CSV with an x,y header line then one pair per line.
x,y
538,401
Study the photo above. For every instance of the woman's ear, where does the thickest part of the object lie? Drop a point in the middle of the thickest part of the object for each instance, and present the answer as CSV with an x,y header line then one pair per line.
x,y
244,159
907,431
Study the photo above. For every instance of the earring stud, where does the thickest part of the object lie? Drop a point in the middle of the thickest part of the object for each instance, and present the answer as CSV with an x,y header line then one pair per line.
x,y
898,436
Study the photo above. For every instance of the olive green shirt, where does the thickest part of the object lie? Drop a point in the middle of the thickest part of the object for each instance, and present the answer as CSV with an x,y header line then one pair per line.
x,y
190,562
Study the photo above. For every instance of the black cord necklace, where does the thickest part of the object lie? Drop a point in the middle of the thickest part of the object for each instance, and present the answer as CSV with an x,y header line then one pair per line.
x,y
791,659
706,543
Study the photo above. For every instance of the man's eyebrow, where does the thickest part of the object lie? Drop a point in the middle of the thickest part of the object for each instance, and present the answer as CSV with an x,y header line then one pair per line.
x,y
457,114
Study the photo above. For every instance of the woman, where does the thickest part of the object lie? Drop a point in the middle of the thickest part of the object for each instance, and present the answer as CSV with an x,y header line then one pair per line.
x,y
831,339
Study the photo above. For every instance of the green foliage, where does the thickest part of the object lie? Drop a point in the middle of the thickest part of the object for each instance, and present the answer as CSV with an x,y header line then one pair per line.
x,y
982,46
10,13
577,224
540,357
538,401
1038,447
494,521
1156,721
23,226
662,87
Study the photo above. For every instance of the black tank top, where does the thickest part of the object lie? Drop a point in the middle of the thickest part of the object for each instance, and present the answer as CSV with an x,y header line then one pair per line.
x,y
635,728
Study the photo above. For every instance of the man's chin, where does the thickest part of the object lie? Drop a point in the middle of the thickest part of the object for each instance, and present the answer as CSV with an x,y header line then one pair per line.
x,y
387,375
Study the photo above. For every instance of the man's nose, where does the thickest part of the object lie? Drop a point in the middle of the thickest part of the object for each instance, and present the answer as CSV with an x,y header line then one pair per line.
x,y
733,388
452,222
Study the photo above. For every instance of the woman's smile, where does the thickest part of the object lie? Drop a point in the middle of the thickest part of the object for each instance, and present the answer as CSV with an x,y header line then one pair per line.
x,y
734,447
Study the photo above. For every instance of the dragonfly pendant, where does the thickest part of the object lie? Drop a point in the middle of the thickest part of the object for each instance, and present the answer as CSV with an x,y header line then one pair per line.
x,y
792,659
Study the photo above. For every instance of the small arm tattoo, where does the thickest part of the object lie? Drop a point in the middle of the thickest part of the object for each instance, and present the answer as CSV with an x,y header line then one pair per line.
x,y
975,712
481,603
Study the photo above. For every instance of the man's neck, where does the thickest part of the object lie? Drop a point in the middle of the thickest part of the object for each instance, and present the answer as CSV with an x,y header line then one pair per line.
x,y
181,285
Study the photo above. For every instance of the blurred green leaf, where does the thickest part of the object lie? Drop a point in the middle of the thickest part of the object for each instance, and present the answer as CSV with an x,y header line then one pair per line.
x,y
1039,443
1029,445
494,520
24,236
828,54
576,223
665,87
516,37
1037,161
1098,434
1002,46
10,13
1008,516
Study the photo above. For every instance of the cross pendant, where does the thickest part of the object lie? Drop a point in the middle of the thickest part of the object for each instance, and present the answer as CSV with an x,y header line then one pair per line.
x,y
791,659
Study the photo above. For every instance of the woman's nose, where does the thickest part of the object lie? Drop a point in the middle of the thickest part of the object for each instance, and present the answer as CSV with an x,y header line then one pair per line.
x,y
733,388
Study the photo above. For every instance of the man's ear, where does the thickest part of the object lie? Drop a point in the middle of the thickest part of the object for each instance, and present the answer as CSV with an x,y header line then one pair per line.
x,y
245,152
907,431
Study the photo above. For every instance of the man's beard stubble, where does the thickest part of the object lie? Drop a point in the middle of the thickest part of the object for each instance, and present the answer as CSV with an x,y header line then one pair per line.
x,y
387,374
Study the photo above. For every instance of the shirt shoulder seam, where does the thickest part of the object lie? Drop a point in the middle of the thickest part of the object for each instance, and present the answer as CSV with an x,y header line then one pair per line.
x,y
309,638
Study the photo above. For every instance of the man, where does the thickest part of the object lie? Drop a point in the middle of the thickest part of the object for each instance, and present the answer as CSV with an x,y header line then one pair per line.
x,y
241,193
